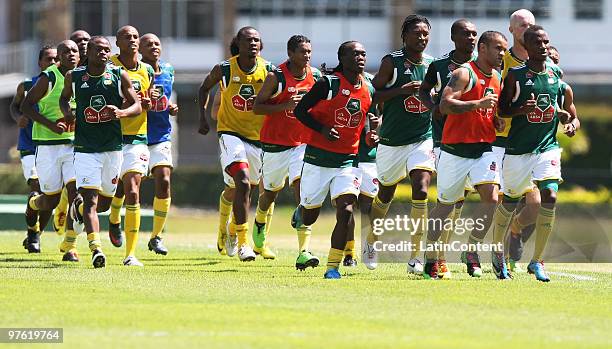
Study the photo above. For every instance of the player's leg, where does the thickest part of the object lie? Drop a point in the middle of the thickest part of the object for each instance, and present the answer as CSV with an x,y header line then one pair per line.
x,y
523,221
59,213
114,218
135,165
226,200
161,206
367,192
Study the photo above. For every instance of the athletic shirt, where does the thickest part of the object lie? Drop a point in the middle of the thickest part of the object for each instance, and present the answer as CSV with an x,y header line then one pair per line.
x,y
367,153
345,109
562,88
471,133
281,130
24,142
536,131
406,119
238,92
158,117
96,131
135,128
443,68
48,106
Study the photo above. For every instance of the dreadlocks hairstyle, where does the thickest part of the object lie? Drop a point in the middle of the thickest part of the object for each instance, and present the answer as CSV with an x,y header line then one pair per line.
x,y
411,21
43,50
233,47
234,43
341,52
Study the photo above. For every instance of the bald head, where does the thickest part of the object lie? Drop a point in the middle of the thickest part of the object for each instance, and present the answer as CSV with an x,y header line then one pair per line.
x,y
66,45
149,36
81,38
150,48
68,54
127,40
520,20
126,29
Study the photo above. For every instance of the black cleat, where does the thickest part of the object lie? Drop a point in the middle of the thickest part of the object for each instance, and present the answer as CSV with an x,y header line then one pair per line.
x,y
98,259
71,256
32,242
116,235
349,261
156,245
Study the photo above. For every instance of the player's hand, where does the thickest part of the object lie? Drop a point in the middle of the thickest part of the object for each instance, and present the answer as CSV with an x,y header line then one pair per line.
x,y
58,127
564,116
487,102
570,129
374,121
529,105
371,139
435,112
145,102
330,133
292,102
173,109
411,88
23,121
499,123
204,127
155,94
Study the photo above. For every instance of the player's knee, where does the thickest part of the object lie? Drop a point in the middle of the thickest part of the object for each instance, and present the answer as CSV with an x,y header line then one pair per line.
x,y
164,184
132,194
549,196
419,192
309,217
491,198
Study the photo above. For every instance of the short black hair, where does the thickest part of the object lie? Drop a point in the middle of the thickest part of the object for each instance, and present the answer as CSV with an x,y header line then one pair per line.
x,y
239,35
43,49
94,38
531,31
413,20
488,36
551,47
295,40
457,24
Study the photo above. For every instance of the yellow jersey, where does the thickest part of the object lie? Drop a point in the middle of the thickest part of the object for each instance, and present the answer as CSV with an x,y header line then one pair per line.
x,y
510,61
238,91
134,129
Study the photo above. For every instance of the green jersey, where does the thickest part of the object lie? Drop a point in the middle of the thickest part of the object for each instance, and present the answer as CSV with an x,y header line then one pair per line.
x,y
535,132
562,88
438,74
406,119
48,106
96,130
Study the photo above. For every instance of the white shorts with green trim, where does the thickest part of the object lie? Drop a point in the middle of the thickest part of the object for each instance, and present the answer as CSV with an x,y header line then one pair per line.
x,y
395,163
28,166
55,167
369,179
317,181
499,154
522,171
278,166
160,154
98,171
468,187
135,159
234,149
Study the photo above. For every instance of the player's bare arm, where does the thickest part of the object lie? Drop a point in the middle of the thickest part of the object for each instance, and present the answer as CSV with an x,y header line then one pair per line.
x,y
15,107
36,93
131,98
269,88
317,93
383,77
425,91
64,101
211,80
568,116
450,102
506,109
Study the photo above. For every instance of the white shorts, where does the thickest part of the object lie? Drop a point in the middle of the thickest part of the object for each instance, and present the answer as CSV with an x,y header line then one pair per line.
x,y
160,154
521,171
499,154
28,165
135,159
55,167
437,151
277,166
369,179
454,170
98,171
317,181
395,163
234,149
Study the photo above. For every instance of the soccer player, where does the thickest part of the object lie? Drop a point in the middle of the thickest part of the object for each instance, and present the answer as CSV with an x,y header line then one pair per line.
x,y
158,136
27,148
335,110
533,155
135,151
53,137
405,146
464,36
240,78
283,142
470,102
99,90
81,38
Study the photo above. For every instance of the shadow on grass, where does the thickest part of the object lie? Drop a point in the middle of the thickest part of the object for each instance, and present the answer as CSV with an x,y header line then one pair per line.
x,y
21,264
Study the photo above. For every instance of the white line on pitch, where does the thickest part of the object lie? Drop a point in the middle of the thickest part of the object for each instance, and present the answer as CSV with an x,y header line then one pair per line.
x,y
573,276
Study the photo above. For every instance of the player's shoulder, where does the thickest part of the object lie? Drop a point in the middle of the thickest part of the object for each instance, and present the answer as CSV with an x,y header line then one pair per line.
x,y
427,59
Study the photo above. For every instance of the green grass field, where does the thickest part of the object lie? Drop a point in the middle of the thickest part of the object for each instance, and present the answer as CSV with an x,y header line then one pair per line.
x,y
196,298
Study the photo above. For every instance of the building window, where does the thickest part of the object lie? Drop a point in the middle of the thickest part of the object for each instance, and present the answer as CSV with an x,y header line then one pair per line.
x,y
588,9
317,8
480,8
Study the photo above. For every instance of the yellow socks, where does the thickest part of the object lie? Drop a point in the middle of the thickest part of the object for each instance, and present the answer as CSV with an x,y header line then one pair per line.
x,y
544,226
242,231
349,248
501,221
225,209
69,242
115,210
94,241
160,213
304,233
379,209
132,225
447,232
59,216
32,202
260,216
418,213
269,217
431,254
334,258
516,226
35,227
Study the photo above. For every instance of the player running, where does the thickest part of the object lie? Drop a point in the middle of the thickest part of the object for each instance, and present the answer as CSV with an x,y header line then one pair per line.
x,y
335,110
99,90
464,36
159,129
53,137
405,147
470,102
240,79
283,142
27,148
533,155
81,38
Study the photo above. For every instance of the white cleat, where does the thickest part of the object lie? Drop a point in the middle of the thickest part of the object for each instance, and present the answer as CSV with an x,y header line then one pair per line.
x,y
369,256
77,219
246,253
231,242
132,261
415,266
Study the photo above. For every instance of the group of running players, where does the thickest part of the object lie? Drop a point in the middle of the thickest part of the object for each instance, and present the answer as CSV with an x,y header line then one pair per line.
x,y
483,120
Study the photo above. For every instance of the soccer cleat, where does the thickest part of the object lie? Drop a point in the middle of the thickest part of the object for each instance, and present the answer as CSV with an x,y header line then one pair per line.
x,y
305,260
156,245
77,218
443,271
430,270
514,266
259,235
115,234
332,274
265,252
296,218
221,241
415,266
71,256
369,256
349,261
59,223
537,268
231,242
472,262
98,259
499,266
32,242
132,261
246,253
